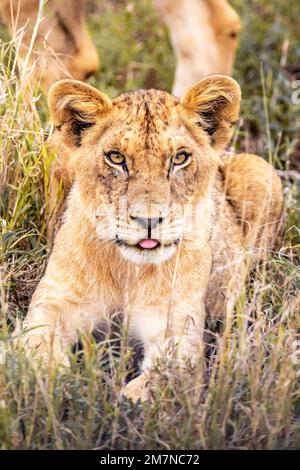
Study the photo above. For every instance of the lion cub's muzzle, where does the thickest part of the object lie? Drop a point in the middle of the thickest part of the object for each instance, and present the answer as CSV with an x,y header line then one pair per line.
x,y
149,224
149,239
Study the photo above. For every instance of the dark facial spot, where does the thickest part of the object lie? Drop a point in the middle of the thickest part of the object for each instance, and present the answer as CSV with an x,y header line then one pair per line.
x,y
106,181
77,128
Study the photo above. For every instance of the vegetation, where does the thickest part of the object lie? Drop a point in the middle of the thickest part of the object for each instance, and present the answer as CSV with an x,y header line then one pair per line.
x,y
250,395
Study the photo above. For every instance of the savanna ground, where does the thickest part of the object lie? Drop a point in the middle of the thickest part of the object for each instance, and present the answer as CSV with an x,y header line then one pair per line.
x,y
250,396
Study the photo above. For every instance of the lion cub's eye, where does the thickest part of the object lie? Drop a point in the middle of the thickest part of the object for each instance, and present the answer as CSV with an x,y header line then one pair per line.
x,y
180,160
115,159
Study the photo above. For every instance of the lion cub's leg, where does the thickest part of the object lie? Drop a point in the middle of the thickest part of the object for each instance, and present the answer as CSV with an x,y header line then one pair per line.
x,y
54,321
254,190
67,302
174,333
172,327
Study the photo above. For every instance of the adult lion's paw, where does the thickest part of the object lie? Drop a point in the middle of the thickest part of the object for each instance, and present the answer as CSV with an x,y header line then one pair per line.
x,y
137,389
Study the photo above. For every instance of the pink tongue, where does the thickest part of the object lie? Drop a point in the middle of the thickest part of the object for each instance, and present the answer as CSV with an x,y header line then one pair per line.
x,y
148,244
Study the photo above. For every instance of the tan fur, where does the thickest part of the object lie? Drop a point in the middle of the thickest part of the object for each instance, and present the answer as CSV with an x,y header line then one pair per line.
x,y
62,47
204,35
216,214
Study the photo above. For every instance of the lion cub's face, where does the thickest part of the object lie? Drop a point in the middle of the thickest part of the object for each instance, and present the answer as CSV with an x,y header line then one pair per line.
x,y
145,162
150,170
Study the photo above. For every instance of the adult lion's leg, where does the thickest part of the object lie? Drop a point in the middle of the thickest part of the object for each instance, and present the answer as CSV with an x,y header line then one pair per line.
x,y
204,36
254,190
62,48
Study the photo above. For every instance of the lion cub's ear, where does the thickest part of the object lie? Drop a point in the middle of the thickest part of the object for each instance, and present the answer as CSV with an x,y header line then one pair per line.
x,y
214,104
75,106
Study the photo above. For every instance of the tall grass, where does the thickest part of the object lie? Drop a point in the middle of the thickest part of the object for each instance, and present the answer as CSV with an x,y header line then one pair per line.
x,y
250,394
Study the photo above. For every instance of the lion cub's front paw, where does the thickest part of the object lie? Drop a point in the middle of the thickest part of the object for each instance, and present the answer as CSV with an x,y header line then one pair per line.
x,y
137,389
42,353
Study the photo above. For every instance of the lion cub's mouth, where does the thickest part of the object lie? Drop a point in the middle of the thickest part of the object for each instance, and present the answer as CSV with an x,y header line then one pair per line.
x,y
145,244
148,244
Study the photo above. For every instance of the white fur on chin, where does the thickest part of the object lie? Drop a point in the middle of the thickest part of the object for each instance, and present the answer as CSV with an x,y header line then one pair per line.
x,y
156,256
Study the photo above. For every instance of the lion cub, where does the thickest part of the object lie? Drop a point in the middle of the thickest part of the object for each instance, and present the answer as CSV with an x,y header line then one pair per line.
x,y
157,224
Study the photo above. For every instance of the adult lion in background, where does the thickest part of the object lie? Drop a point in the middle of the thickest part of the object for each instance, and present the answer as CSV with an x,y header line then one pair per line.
x,y
62,46
203,34
157,225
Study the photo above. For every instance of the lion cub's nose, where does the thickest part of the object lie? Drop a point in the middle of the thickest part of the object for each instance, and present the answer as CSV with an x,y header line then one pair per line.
x,y
147,223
